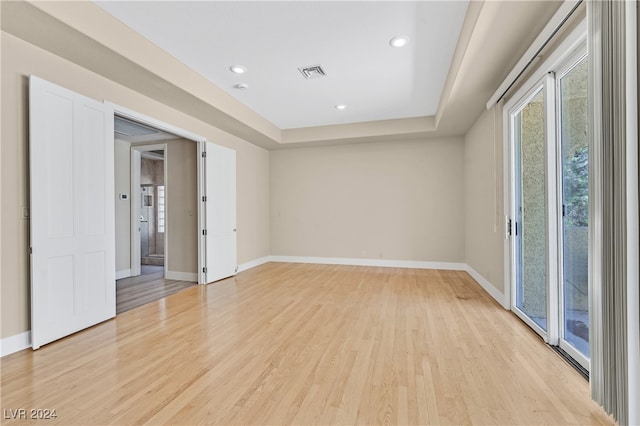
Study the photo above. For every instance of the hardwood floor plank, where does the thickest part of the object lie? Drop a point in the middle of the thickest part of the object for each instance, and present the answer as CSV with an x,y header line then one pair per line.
x,y
306,344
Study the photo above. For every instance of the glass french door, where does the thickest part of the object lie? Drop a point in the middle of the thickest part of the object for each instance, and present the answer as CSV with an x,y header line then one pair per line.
x,y
549,208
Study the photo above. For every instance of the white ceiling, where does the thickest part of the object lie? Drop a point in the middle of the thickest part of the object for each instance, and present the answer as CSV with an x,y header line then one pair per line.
x,y
350,39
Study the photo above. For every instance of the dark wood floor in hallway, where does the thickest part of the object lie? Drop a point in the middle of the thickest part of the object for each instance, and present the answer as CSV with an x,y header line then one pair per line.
x,y
306,344
145,288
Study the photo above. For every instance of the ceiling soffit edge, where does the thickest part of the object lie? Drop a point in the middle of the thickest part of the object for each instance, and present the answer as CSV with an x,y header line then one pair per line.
x,y
395,127
90,20
468,28
247,124
420,137
52,27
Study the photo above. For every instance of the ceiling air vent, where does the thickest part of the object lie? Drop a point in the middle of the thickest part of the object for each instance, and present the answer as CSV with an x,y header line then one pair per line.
x,y
312,71
130,128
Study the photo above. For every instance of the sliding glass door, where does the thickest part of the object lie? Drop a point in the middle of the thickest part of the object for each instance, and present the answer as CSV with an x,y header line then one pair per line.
x,y
549,223
573,109
530,224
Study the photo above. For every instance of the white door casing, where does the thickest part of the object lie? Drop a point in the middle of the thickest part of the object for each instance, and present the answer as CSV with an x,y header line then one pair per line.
x,y
72,212
220,206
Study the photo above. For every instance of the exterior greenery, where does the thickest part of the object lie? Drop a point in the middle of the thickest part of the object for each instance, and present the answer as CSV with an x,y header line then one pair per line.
x,y
577,188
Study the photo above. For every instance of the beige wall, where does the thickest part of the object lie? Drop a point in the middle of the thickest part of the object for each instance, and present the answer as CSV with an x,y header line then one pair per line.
x,y
182,206
19,60
123,207
484,223
391,200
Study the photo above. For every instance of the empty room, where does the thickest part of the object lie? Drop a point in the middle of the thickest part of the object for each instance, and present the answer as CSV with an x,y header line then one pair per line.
x,y
319,212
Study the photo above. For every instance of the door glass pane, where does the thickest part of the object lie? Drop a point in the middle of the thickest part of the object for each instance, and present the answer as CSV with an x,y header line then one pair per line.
x,y
575,199
531,285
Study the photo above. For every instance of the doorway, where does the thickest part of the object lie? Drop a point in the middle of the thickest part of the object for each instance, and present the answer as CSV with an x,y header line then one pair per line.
x,y
75,205
152,211
549,205
161,200
148,208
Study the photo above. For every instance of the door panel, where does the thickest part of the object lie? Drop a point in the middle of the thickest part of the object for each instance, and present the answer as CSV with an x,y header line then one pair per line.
x,y
575,202
220,189
72,212
531,225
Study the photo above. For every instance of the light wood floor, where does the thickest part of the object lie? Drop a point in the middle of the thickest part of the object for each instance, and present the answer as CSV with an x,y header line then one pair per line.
x,y
150,286
307,344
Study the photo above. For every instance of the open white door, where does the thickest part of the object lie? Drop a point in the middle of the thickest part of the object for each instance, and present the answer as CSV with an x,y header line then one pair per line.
x,y
72,212
220,217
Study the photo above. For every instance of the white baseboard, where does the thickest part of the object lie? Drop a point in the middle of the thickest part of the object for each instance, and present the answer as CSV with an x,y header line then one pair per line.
x,y
181,276
451,266
123,274
16,343
253,263
488,287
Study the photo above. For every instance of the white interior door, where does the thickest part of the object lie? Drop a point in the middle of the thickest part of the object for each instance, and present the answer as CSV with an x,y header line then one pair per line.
x,y
72,212
220,217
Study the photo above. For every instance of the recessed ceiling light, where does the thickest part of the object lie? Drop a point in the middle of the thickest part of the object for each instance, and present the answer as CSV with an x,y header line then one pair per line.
x,y
341,107
399,41
238,69
241,86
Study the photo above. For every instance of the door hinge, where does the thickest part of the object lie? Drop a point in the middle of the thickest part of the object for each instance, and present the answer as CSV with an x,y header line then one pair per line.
x,y
563,210
30,250
204,198
204,154
204,270
509,229
204,232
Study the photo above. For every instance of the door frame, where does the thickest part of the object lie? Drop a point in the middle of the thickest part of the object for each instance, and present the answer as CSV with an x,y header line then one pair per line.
x,y
136,159
200,141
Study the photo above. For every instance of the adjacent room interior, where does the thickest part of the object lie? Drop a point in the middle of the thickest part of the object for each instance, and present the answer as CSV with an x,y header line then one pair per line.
x,y
148,161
